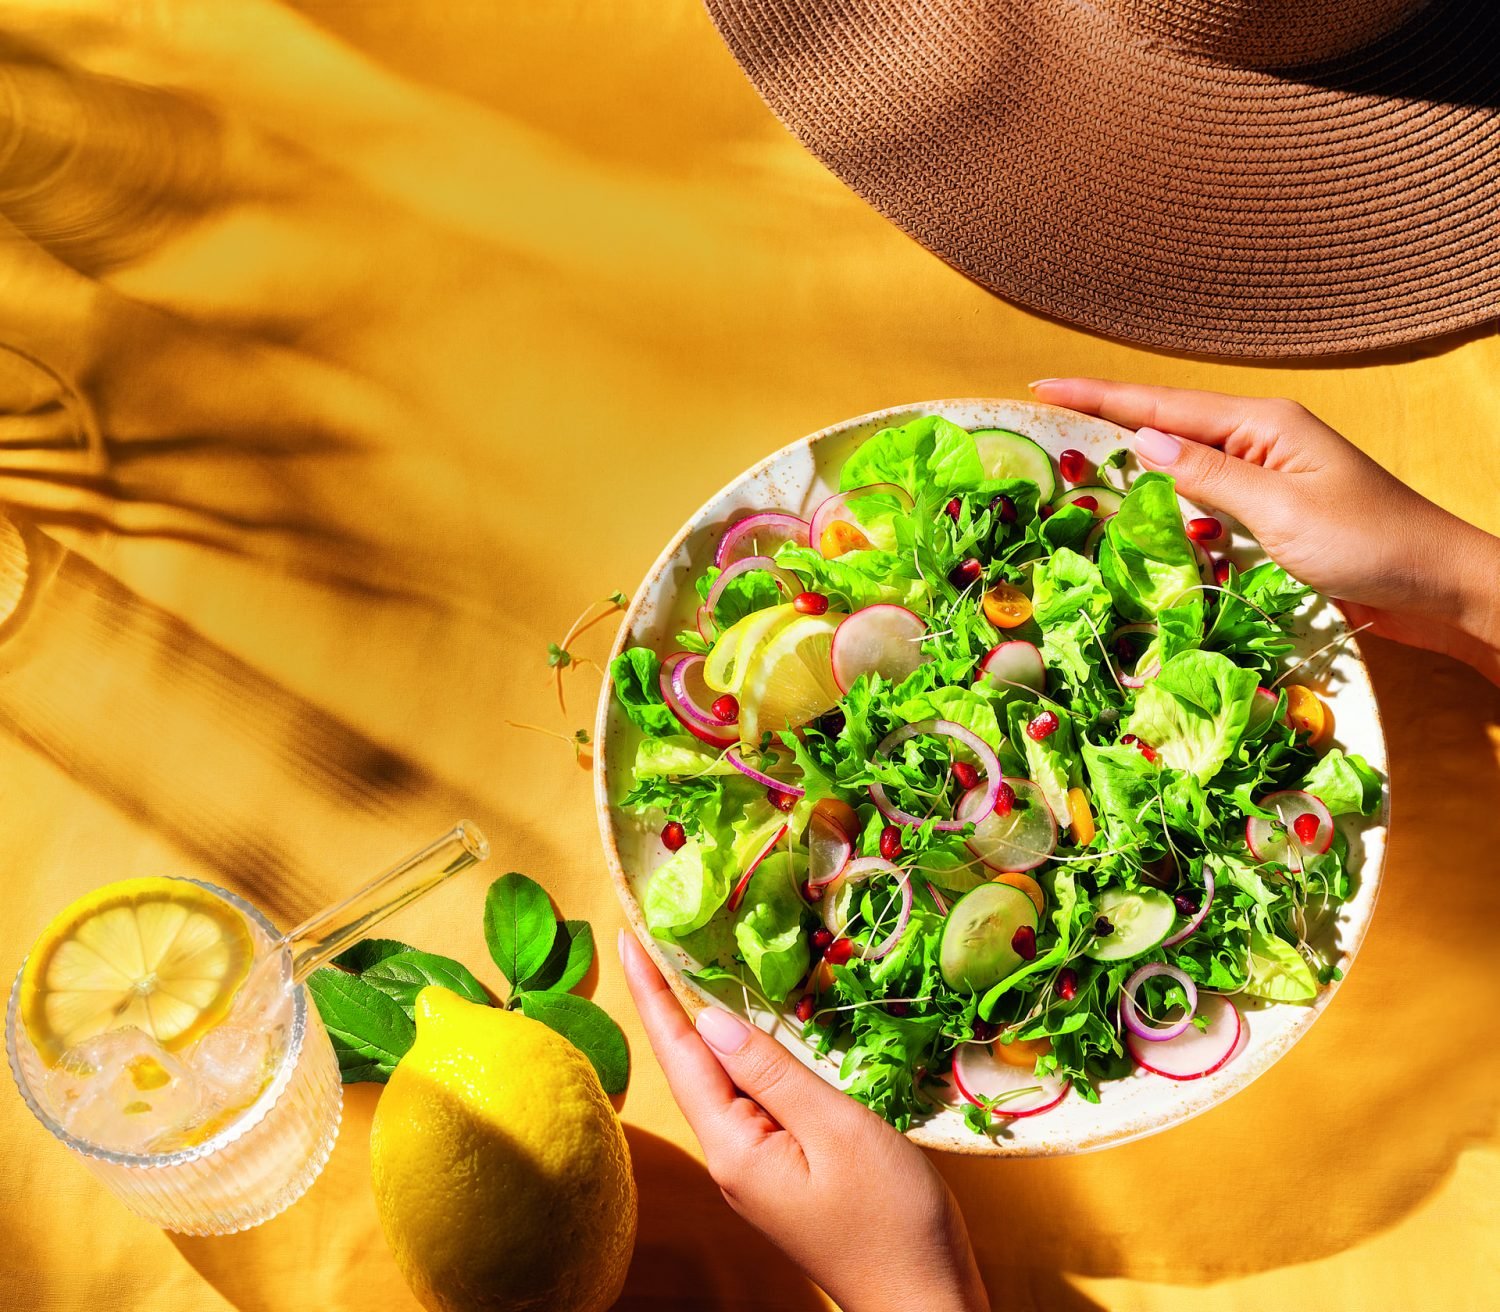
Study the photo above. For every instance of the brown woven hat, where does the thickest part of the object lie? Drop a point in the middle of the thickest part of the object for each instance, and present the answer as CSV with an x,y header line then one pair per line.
x,y
1230,177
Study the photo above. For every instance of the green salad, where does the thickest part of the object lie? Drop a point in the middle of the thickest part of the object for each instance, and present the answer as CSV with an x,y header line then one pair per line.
x,y
992,777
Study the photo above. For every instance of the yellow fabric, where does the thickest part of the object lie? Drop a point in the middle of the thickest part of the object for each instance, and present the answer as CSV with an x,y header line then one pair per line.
x,y
413,328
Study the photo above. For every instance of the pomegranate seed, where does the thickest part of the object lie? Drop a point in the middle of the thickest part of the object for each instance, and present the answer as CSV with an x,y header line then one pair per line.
x,y
965,574
890,842
1104,927
1221,570
1044,512
781,799
954,508
1044,726
1023,942
1072,464
1004,508
1087,502
1067,984
821,938
1005,799
1185,904
810,603
1207,529
897,1007
1306,828
1128,739
984,1030
1149,752
839,951
726,709
965,774
673,835
809,893
806,1005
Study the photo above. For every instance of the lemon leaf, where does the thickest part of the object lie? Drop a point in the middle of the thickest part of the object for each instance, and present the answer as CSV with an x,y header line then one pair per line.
x,y
519,926
405,974
588,1028
368,951
569,961
370,1032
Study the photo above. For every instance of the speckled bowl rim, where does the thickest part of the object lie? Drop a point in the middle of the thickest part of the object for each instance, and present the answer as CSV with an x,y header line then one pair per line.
x,y
1253,1060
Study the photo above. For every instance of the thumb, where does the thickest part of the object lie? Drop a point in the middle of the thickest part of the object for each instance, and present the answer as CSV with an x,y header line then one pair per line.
x,y
1206,475
765,1071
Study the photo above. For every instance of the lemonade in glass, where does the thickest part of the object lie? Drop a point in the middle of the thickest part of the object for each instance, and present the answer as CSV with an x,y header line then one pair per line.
x,y
160,1029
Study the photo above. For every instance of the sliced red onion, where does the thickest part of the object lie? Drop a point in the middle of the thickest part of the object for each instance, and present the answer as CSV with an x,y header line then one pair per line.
x,y
829,510
1191,928
1131,1014
938,899
701,723
857,872
749,771
738,894
769,525
788,583
989,763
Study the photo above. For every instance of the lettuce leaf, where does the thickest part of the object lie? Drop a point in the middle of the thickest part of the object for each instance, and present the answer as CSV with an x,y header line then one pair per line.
x,y
635,673
1346,785
857,578
1145,557
965,707
768,928
924,452
1194,711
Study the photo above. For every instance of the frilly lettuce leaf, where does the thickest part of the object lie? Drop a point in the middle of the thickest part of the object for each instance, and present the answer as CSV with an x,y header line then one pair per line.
x,y
1194,711
929,450
1346,785
768,927
1145,557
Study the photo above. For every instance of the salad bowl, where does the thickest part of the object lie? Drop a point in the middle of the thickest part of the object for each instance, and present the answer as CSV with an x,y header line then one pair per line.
x,y
797,479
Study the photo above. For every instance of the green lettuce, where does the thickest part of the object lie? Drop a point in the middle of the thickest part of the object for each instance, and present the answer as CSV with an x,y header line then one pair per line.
x,y
1072,606
966,707
1346,785
1194,711
635,673
1145,557
1277,971
926,451
857,578
768,928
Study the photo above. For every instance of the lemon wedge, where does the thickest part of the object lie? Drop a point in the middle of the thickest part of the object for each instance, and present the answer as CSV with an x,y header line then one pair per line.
x,y
160,954
791,678
734,652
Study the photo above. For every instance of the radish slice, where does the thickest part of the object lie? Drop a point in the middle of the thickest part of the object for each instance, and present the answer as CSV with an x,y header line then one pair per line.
x,y
828,851
835,508
1194,1053
989,765
1010,843
1270,840
980,1075
688,696
884,640
857,872
735,759
738,894
1014,664
760,535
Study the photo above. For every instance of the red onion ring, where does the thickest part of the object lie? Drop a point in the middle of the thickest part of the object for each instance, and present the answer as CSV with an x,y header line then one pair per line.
x,y
750,772
788,583
829,508
1191,928
1130,1012
856,872
788,526
674,691
988,762
738,893
938,899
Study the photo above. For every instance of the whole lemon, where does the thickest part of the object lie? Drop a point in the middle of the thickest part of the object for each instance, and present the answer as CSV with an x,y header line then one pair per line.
x,y
501,1173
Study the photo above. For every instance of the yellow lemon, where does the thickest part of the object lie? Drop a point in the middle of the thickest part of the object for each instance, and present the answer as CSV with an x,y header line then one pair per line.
x,y
501,1172
792,680
163,955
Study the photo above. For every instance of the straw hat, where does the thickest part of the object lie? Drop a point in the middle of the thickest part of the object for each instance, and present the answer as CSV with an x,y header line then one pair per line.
x,y
1232,177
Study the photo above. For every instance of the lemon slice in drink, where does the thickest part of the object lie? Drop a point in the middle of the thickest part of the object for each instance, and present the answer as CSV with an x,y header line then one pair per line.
x,y
791,678
162,955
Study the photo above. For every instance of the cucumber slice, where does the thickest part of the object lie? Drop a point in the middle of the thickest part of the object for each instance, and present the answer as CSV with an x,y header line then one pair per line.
x,y
1009,455
975,953
1141,921
1109,500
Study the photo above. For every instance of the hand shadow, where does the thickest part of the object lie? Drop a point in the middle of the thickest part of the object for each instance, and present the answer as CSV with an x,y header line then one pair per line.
x,y
1365,1118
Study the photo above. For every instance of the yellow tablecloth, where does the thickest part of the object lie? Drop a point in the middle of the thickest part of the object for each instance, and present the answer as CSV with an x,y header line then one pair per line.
x,y
411,329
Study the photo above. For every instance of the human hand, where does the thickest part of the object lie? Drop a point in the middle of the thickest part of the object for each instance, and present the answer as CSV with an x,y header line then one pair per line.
x,y
853,1203
1321,508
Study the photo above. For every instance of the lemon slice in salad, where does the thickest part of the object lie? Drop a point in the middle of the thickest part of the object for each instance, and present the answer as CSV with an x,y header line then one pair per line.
x,y
791,678
734,652
160,954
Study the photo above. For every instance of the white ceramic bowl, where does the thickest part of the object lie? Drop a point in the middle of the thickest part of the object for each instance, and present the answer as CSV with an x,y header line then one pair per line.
x,y
796,479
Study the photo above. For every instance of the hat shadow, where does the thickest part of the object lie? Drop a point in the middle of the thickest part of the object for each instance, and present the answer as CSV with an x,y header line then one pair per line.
x,y
1345,1137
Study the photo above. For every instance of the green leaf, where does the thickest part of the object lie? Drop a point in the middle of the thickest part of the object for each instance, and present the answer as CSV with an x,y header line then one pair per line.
x,y
929,450
1346,785
557,657
1278,971
768,927
519,926
636,675
405,974
1145,557
1195,711
368,951
588,1028
370,1032
963,706
568,962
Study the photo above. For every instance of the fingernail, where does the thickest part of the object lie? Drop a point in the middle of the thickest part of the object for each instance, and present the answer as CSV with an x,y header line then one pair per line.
x,y
721,1031
1040,382
1155,447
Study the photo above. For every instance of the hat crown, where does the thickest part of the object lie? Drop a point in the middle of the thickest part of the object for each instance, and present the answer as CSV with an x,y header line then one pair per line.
x,y
1264,33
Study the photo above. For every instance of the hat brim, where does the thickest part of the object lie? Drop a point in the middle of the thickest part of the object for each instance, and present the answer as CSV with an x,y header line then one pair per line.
x,y
1067,164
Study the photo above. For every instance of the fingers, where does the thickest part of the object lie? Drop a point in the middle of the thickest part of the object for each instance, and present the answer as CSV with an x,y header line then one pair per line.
x,y
1209,417
698,1082
1206,475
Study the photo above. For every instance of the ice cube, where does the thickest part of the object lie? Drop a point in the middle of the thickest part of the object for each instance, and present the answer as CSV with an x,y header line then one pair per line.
x,y
122,1090
233,1063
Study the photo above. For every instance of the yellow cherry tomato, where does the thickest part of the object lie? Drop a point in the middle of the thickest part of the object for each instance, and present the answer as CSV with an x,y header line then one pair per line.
x,y
1022,1052
1308,714
1027,885
1006,606
1080,818
841,536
